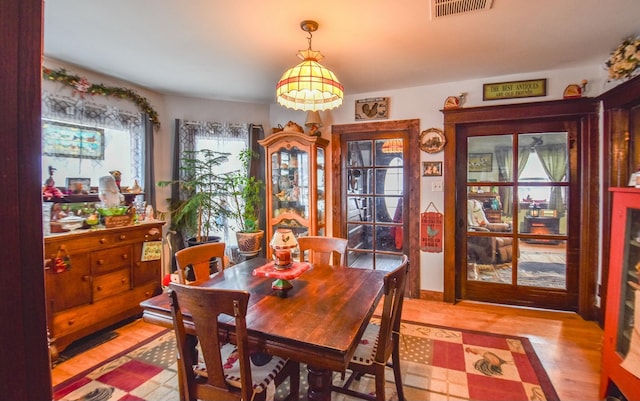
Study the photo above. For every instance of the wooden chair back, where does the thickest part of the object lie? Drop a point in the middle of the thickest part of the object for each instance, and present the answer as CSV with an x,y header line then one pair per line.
x,y
199,258
369,359
394,286
205,305
327,250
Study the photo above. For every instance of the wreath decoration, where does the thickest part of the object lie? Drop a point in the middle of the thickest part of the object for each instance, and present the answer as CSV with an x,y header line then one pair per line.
x,y
625,59
83,86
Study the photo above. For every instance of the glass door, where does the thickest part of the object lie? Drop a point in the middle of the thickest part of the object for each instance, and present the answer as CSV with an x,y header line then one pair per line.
x,y
375,202
519,224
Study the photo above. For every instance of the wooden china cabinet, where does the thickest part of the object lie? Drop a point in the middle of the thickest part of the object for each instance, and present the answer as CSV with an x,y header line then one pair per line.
x,y
624,270
295,191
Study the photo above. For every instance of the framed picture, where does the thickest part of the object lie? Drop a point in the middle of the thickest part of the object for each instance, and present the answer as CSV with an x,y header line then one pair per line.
x,y
372,109
431,169
480,162
77,186
432,140
71,140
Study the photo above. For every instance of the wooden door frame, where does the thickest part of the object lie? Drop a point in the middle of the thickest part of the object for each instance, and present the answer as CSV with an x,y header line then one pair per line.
x,y
412,166
621,140
25,371
583,109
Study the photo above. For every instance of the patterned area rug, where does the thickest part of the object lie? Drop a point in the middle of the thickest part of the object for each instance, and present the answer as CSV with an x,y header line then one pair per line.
x,y
437,363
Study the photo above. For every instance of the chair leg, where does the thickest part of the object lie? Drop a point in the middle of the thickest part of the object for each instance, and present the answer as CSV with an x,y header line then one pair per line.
x,y
380,382
294,382
397,374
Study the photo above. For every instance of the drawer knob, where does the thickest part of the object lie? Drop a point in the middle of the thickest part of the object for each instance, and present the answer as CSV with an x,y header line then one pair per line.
x,y
123,280
103,240
125,256
99,288
85,278
100,261
123,237
71,321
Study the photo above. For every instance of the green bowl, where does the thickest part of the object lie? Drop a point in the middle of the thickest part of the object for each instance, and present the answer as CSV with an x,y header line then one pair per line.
x,y
112,211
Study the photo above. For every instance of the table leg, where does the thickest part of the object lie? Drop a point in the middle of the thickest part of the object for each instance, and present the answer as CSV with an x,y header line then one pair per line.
x,y
319,384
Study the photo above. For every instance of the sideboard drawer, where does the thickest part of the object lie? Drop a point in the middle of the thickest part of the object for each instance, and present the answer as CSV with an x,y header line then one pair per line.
x,y
110,284
110,259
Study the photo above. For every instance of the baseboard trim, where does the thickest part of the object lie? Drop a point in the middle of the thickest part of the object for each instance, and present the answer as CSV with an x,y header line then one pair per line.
x,y
432,295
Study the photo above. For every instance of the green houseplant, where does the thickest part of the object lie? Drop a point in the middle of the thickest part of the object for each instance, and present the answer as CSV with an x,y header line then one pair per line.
x,y
243,203
197,215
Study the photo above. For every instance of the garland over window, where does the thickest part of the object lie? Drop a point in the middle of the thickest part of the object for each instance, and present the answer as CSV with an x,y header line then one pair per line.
x,y
82,86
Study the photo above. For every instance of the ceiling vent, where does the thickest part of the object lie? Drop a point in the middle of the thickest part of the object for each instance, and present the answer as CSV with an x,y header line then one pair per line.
x,y
442,8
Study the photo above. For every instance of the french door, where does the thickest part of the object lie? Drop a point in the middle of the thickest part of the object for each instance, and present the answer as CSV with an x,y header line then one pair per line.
x,y
521,223
375,191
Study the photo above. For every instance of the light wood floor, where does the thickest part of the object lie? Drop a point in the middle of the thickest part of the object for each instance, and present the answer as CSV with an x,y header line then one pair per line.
x,y
568,347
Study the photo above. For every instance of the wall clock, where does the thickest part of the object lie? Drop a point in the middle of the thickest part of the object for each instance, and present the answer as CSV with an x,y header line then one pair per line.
x,y
432,140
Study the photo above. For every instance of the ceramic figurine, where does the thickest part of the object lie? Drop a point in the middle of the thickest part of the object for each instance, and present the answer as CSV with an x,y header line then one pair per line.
x,y
117,176
108,192
50,190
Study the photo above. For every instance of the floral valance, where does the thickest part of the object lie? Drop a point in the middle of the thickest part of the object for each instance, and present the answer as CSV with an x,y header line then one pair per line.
x,y
83,86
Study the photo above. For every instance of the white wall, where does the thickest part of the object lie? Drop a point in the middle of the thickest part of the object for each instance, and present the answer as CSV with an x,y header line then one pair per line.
x,y
421,102
425,103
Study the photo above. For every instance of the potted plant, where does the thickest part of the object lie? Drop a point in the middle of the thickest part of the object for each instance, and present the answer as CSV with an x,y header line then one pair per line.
x,y
243,202
197,215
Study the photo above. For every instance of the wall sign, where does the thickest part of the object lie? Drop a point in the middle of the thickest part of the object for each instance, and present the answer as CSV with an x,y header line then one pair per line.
x,y
515,89
431,230
372,109
151,250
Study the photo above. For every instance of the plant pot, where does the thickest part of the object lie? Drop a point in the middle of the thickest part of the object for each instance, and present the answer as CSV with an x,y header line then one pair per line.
x,y
250,244
194,240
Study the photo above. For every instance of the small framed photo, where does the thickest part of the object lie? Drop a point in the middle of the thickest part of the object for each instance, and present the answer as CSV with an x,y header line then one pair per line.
x,y
78,186
431,169
372,109
480,162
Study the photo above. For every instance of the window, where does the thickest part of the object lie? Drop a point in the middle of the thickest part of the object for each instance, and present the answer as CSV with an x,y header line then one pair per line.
x,y
219,137
534,172
66,119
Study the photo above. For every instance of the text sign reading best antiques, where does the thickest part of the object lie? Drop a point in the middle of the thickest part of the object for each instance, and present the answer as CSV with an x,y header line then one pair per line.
x,y
510,90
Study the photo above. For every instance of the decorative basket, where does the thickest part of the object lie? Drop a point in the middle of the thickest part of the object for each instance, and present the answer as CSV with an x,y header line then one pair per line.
x,y
120,221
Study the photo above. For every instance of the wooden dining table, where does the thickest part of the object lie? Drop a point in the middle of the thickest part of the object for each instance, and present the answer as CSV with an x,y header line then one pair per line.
x,y
319,322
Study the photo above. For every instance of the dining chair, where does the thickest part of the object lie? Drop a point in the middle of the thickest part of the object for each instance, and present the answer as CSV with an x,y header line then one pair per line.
x,y
226,371
327,250
381,341
198,258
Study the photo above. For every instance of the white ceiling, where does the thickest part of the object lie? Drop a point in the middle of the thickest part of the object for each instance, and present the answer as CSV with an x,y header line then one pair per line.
x,y
238,49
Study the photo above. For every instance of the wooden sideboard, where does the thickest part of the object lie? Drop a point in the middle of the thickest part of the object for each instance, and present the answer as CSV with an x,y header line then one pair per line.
x,y
99,279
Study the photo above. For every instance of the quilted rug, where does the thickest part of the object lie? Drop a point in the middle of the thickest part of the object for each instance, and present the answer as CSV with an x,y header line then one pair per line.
x,y
437,363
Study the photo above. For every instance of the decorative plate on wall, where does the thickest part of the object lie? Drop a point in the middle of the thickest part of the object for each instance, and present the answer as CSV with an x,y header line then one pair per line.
x,y
432,140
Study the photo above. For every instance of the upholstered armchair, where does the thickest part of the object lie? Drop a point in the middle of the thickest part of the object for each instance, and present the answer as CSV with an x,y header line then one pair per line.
x,y
486,250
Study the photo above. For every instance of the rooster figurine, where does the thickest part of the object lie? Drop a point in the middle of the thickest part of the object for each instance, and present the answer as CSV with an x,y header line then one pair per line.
x,y
490,364
50,190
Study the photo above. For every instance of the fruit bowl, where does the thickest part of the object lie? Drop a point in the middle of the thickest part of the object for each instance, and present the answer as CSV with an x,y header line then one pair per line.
x,y
112,211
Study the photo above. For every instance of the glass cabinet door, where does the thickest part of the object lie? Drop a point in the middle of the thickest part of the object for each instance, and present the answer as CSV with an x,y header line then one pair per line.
x,y
320,201
290,188
629,277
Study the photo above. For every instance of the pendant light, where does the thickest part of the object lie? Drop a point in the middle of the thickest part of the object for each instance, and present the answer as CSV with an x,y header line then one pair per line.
x,y
309,85
393,145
